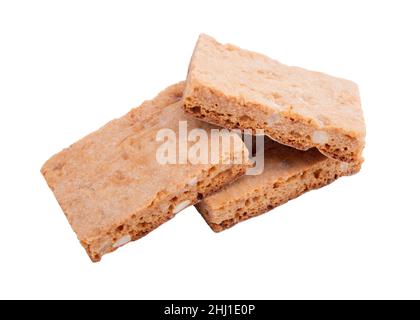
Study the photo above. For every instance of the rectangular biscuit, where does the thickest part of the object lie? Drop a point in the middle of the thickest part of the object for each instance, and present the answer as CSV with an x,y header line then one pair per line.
x,y
111,186
235,88
287,174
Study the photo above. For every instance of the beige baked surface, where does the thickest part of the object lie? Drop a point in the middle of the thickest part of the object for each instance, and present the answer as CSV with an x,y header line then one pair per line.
x,y
113,190
236,88
287,174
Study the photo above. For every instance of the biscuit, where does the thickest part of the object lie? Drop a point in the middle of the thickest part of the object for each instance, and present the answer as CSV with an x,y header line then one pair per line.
x,y
287,174
235,88
112,188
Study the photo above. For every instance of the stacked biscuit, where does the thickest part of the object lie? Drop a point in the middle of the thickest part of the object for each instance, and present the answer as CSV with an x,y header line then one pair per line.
x,y
114,190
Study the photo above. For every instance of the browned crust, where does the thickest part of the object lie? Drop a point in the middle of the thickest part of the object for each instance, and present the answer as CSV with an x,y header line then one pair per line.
x,y
281,192
137,227
291,130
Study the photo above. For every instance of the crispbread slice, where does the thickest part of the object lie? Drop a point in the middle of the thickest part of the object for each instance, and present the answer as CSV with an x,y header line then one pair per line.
x,y
235,88
111,186
287,174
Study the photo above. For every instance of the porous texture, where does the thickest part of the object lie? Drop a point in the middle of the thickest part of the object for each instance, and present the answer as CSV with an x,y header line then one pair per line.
x,y
287,174
113,190
235,88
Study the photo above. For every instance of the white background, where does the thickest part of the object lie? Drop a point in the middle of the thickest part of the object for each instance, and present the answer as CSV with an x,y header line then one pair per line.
x,y
68,67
